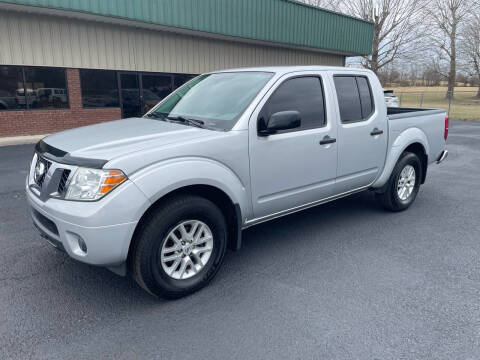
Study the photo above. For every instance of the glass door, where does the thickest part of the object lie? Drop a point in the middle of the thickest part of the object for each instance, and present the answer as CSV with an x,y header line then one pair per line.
x,y
139,92
130,100
154,88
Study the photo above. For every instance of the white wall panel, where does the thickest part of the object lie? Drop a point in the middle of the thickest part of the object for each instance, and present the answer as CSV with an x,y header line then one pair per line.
x,y
29,39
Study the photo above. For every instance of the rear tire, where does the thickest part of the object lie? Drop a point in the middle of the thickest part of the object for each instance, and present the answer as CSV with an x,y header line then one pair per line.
x,y
191,231
403,184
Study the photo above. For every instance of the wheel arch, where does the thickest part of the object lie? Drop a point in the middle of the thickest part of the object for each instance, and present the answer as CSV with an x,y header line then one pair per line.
x,y
230,209
419,150
413,140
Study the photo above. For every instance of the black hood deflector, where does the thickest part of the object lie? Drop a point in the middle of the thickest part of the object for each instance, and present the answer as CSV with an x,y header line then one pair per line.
x,y
52,153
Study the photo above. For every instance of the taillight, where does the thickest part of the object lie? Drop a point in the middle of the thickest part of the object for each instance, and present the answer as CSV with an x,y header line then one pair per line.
x,y
445,133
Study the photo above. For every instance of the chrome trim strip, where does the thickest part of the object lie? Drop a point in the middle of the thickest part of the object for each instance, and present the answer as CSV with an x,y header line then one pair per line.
x,y
278,214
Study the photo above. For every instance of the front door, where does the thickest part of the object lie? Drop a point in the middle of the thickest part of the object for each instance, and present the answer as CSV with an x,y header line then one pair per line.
x,y
130,100
362,133
293,167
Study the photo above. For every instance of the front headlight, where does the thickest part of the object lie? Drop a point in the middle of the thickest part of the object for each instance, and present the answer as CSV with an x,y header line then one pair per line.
x,y
92,184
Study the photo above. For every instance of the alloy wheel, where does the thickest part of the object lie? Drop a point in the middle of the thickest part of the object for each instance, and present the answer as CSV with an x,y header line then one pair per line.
x,y
186,249
406,182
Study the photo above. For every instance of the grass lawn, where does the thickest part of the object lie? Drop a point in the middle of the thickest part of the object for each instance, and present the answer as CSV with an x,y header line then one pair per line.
x,y
465,105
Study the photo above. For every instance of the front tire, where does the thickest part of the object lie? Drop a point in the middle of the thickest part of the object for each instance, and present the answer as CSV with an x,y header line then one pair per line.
x,y
179,247
403,185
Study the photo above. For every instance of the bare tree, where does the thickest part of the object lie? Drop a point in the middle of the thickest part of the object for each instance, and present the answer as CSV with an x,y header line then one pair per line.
x,y
462,78
470,49
396,26
431,76
317,3
447,16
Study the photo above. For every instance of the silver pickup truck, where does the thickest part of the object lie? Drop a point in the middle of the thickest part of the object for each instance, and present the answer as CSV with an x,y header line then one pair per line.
x,y
163,196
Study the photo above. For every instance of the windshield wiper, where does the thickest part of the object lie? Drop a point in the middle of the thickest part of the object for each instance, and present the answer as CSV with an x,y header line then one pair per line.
x,y
188,121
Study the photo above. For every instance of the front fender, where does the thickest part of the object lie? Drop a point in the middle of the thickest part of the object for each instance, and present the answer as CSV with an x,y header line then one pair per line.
x,y
163,177
400,143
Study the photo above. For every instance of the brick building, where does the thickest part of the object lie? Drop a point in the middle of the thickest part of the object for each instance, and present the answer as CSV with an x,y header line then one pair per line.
x,y
66,64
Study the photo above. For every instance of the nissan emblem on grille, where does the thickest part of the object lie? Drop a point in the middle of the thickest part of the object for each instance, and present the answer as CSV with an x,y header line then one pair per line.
x,y
41,169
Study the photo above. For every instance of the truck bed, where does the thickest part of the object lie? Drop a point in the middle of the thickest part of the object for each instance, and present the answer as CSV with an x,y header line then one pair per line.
x,y
431,122
395,113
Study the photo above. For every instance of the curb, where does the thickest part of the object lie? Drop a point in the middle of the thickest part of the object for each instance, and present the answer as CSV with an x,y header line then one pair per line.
x,y
20,140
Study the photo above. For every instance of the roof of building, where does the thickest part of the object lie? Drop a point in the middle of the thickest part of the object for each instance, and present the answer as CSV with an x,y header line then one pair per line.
x,y
283,22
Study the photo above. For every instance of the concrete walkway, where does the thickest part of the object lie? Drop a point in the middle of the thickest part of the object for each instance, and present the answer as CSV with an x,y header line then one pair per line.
x,y
20,140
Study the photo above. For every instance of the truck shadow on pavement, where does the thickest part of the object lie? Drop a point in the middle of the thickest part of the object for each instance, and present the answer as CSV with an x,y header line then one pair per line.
x,y
308,230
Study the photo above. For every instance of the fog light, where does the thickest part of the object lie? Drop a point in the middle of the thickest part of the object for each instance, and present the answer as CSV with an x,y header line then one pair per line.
x,y
82,245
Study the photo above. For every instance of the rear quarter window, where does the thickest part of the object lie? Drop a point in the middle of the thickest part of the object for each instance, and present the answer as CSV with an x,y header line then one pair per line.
x,y
366,100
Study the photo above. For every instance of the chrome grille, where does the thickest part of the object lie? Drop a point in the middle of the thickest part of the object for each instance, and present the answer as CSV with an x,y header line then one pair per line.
x,y
48,178
63,181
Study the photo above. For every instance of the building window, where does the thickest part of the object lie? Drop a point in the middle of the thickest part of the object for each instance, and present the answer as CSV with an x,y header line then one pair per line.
x,y
155,88
11,88
99,88
46,87
32,88
180,79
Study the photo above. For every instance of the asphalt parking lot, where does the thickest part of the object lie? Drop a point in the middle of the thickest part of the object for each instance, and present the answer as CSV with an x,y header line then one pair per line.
x,y
345,280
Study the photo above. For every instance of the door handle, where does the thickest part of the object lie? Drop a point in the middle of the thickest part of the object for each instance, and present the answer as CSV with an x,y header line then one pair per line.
x,y
376,131
327,140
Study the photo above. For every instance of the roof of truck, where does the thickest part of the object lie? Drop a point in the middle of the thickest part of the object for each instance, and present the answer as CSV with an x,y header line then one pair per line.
x,y
289,69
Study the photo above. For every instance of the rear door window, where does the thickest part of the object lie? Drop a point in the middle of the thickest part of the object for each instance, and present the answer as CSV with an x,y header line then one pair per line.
x,y
354,96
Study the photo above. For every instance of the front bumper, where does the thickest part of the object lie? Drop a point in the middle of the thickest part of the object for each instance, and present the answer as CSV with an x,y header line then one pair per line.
x,y
97,233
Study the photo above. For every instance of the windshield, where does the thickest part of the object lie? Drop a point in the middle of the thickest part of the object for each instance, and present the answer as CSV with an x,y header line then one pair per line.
x,y
217,99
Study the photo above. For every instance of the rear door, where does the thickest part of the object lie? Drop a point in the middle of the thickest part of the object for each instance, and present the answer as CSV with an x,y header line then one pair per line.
x,y
291,168
362,132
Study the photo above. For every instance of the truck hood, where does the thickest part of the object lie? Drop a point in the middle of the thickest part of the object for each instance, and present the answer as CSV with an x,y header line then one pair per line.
x,y
116,138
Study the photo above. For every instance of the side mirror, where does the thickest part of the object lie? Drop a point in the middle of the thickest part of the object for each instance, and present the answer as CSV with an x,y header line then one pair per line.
x,y
282,120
